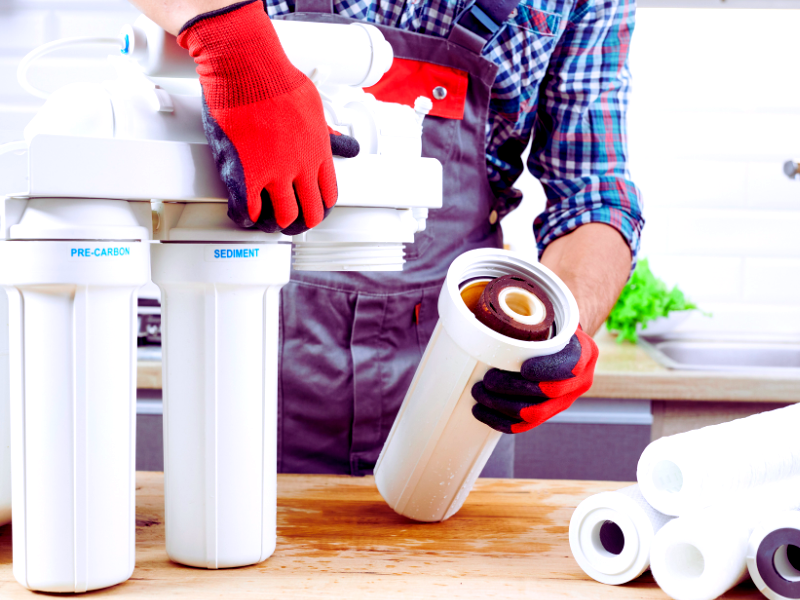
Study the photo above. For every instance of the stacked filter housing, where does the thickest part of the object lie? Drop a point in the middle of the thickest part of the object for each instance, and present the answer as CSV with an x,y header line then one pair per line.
x,y
720,482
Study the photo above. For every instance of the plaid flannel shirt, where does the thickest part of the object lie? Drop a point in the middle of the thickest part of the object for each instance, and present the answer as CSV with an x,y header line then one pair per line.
x,y
564,82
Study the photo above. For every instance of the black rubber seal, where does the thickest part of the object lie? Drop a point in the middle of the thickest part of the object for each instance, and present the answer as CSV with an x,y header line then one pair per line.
x,y
765,561
214,13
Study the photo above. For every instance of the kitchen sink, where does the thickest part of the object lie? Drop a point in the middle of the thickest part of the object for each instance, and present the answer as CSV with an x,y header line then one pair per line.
x,y
742,356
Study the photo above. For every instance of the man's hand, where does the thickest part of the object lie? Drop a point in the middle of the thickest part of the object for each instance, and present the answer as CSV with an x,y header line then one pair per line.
x,y
516,402
264,121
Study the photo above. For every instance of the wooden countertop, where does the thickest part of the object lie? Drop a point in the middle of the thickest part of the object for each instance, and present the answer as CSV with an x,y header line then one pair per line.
x,y
338,539
626,371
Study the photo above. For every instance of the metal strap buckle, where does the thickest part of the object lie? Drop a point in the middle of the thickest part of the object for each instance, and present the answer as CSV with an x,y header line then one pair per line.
x,y
476,20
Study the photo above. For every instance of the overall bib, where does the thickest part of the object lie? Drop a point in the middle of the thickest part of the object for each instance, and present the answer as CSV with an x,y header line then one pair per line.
x,y
351,342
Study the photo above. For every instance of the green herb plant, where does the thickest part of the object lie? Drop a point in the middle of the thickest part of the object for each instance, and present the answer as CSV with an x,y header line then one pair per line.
x,y
645,298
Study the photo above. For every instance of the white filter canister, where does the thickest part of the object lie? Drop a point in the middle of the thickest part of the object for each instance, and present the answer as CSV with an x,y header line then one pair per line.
x,y
72,309
5,417
220,310
610,535
436,448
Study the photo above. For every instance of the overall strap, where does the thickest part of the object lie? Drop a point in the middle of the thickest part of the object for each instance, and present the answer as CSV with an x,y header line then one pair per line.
x,y
479,22
314,6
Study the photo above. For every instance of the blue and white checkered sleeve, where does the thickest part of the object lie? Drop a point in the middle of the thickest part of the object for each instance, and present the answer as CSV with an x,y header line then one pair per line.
x,y
579,147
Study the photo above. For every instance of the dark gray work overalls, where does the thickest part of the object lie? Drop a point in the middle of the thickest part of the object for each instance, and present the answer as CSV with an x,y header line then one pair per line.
x,y
350,342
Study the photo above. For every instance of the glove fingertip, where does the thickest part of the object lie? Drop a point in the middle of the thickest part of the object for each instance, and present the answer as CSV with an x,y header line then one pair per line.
x,y
495,380
309,200
492,419
267,220
479,392
344,145
554,367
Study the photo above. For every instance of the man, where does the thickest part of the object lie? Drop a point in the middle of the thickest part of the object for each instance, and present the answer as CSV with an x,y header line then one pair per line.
x,y
498,73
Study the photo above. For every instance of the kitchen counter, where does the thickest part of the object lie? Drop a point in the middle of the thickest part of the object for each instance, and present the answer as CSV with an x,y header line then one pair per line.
x,y
338,539
626,371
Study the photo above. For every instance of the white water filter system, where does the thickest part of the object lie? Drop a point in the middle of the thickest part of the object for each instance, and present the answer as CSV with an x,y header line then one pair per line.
x,y
5,417
129,141
71,268
436,448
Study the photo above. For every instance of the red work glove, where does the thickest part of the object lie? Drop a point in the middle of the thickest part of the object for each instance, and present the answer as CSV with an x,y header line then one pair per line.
x,y
264,121
516,402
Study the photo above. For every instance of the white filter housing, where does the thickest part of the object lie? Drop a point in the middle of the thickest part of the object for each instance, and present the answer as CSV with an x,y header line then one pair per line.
x,y
436,448
220,304
5,417
72,307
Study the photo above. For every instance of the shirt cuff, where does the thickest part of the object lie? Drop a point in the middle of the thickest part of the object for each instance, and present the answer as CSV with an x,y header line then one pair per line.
x,y
556,222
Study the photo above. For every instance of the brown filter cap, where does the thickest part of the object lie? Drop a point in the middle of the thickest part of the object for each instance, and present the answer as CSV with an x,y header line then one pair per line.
x,y
516,307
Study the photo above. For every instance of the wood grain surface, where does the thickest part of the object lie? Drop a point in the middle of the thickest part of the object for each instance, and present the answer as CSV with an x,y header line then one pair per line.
x,y
338,539
626,371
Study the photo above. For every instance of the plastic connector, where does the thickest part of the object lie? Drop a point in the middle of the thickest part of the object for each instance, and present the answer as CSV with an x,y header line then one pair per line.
x,y
422,106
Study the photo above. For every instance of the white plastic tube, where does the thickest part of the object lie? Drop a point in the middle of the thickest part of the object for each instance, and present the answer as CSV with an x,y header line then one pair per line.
x,y
220,361
5,417
686,472
702,555
35,54
335,53
73,405
773,556
610,535
436,448
354,54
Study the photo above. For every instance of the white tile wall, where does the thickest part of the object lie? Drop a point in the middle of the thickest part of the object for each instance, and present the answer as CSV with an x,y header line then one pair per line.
x,y
714,278
715,112
772,281
26,24
21,29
